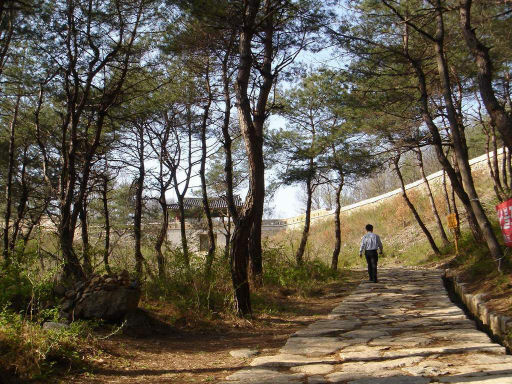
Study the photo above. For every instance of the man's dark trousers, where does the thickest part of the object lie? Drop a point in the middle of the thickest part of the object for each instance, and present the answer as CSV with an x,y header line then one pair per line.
x,y
372,258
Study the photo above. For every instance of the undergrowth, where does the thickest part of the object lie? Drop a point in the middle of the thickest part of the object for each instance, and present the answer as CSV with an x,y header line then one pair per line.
x,y
190,296
29,352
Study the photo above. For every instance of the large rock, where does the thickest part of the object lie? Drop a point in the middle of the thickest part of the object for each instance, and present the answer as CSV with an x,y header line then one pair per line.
x,y
101,297
110,305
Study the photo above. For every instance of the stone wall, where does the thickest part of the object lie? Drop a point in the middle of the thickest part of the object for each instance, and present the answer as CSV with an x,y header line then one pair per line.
x,y
500,326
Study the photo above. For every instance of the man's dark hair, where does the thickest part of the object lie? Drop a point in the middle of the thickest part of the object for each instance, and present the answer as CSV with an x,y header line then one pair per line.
x,y
369,227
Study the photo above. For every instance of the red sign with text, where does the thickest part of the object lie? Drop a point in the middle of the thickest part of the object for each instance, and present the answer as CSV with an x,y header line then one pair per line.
x,y
505,218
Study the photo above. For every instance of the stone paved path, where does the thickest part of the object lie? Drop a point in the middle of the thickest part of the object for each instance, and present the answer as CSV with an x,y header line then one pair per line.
x,y
402,330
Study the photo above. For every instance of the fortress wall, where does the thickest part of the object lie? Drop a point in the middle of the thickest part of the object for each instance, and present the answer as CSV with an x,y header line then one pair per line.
x,y
435,180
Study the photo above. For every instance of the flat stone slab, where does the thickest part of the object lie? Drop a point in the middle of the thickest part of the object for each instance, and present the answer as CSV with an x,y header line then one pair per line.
x,y
403,330
392,380
366,334
314,369
288,360
492,379
243,353
326,327
266,376
312,346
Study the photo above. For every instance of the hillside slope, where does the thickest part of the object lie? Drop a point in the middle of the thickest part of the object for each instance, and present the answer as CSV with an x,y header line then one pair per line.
x,y
404,242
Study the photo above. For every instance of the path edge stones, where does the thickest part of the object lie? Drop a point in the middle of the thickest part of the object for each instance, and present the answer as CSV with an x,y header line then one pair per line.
x,y
499,326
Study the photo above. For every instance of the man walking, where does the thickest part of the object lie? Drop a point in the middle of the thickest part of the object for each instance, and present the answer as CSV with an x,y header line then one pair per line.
x,y
370,243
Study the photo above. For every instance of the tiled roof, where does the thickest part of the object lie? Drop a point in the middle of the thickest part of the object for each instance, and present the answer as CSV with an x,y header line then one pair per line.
x,y
197,202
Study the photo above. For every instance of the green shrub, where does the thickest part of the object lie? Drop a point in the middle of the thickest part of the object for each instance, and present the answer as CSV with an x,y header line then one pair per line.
x,y
189,289
278,270
29,352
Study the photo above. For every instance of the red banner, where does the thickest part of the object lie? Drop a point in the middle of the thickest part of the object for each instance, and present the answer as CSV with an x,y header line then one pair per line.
x,y
505,218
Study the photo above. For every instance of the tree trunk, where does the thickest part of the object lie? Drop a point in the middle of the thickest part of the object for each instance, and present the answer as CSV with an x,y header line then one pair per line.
x,y
337,228
251,120
227,227
431,199
106,214
494,170
506,180
183,232
499,116
413,209
160,239
299,255
202,173
85,240
8,184
255,129
137,219
445,190
456,211
238,261
72,267
256,252
22,204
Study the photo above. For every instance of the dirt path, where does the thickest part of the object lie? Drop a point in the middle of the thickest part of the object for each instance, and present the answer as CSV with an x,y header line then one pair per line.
x,y
402,330
202,356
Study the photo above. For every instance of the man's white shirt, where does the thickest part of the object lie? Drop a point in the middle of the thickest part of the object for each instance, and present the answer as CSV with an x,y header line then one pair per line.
x,y
370,242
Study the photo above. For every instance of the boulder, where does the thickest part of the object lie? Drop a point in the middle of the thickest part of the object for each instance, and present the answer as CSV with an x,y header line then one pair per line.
x,y
109,303
101,297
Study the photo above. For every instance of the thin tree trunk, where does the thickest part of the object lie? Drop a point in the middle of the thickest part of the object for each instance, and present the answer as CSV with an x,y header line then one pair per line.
x,y
256,253
85,240
137,219
8,185
8,31
337,227
202,173
506,181
106,214
456,211
162,235
446,196
22,203
413,209
494,170
431,199
239,264
504,168
227,227
299,255
183,231
495,160
493,166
